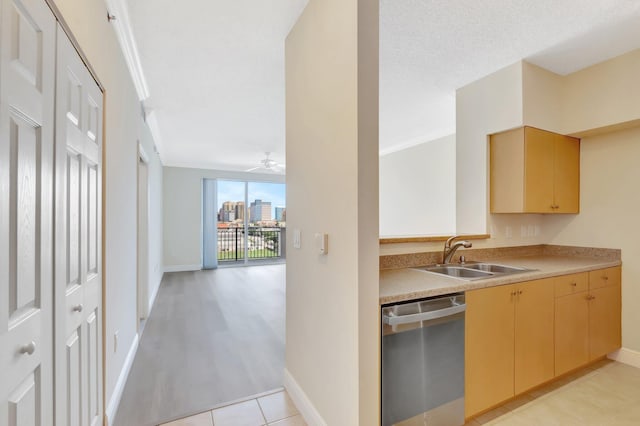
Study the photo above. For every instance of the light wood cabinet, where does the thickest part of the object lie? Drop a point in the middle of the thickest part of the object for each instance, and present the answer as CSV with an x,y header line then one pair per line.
x,y
489,348
533,334
571,322
587,320
605,302
508,343
534,171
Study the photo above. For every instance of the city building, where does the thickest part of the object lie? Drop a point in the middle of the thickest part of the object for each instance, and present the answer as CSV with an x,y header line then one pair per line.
x,y
259,211
281,214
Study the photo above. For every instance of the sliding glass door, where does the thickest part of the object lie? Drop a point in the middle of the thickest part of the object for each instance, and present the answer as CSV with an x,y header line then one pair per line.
x,y
250,219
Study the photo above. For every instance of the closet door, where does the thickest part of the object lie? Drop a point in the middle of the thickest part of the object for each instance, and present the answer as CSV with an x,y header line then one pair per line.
x,y
27,66
78,277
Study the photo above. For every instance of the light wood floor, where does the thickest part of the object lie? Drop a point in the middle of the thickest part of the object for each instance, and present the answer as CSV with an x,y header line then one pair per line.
x,y
212,337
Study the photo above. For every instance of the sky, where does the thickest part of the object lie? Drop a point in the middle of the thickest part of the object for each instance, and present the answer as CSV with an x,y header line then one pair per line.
x,y
234,191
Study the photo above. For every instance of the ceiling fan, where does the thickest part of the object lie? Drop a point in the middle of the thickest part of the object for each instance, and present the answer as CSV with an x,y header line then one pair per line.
x,y
268,164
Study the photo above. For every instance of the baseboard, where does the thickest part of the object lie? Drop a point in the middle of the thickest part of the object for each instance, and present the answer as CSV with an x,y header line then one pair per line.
x,y
302,402
182,268
626,356
152,299
112,406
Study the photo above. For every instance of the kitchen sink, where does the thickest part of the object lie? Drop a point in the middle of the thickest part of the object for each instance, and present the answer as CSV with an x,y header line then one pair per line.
x,y
473,270
459,272
492,267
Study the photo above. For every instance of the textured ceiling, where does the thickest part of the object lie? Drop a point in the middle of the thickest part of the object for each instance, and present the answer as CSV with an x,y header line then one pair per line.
x,y
215,69
428,48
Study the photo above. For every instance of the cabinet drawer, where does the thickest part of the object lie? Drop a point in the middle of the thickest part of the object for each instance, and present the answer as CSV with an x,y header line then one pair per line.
x,y
604,277
570,284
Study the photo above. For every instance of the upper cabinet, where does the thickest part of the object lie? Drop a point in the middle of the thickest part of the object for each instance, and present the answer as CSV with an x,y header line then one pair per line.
x,y
534,171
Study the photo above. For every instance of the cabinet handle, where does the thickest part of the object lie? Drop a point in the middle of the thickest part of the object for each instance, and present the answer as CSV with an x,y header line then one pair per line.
x,y
605,278
513,293
519,291
77,308
29,348
574,284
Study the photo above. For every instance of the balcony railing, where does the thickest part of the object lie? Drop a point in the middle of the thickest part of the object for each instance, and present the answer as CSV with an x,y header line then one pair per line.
x,y
262,243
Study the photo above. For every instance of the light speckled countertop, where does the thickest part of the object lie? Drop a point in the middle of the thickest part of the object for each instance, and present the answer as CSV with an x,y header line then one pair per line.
x,y
398,285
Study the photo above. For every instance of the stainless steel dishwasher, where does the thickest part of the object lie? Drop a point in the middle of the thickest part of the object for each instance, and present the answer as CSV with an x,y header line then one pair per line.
x,y
423,361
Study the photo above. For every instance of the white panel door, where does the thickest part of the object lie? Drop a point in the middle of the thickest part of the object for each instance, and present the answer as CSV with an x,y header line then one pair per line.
x,y
27,67
78,224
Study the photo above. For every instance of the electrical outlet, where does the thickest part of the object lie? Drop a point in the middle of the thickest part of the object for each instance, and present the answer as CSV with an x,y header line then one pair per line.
x,y
115,342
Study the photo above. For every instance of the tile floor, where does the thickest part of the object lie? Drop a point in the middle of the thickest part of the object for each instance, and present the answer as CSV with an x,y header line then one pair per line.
x,y
275,409
607,393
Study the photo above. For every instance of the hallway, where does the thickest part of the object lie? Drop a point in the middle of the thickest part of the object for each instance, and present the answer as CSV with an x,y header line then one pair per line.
x,y
212,337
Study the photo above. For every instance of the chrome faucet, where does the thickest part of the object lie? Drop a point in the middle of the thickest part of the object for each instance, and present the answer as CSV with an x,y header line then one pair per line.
x,y
449,249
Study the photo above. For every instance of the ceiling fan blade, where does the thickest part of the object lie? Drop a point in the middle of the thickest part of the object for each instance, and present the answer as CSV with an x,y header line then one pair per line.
x,y
254,168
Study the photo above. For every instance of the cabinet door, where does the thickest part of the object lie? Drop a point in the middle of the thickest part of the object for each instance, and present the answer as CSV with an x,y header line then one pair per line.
x,y
506,171
571,332
489,338
539,171
533,334
604,321
567,174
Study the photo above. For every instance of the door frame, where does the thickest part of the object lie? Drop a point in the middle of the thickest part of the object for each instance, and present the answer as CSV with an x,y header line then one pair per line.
x,y
142,238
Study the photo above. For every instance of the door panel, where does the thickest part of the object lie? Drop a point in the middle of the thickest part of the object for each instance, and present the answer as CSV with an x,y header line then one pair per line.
x,y
74,378
572,332
78,288
27,66
93,368
534,342
489,347
538,181
604,321
23,404
567,174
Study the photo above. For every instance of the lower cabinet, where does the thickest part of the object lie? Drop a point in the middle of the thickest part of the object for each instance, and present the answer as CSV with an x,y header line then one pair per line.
x,y
509,342
522,335
587,317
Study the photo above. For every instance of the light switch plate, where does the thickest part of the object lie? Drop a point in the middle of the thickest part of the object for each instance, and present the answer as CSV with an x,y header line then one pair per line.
x,y
322,243
297,240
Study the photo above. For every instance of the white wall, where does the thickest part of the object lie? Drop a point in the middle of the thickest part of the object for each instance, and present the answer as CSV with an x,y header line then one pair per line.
x,y
155,251
486,106
332,351
182,207
418,189
123,123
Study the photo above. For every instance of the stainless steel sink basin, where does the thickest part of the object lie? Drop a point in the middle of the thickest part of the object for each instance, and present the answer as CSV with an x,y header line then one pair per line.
x,y
492,267
459,272
473,270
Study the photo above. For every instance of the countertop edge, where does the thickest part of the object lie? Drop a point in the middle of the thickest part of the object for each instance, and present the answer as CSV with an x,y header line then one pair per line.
x,y
453,285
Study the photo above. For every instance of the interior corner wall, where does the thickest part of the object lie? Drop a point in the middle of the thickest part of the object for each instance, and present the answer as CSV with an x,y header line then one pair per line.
x,y
542,98
155,265
603,95
332,331
97,39
182,212
418,189
486,106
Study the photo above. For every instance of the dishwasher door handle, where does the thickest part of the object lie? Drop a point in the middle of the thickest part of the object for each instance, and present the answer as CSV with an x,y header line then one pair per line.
x,y
424,316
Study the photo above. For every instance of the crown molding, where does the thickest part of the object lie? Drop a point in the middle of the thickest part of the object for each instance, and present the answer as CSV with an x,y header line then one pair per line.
x,y
122,27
